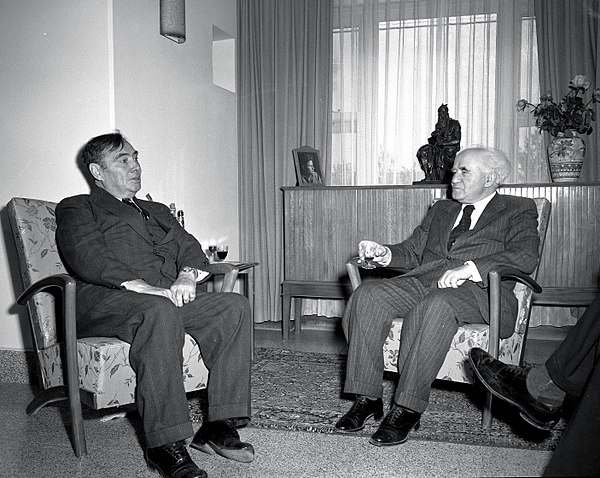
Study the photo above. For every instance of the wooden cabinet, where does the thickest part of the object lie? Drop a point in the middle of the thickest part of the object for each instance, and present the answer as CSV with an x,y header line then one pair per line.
x,y
322,227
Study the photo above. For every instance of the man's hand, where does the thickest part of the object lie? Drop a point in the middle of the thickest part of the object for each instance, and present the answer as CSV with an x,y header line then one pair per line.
x,y
142,287
184,288
372,249
454,277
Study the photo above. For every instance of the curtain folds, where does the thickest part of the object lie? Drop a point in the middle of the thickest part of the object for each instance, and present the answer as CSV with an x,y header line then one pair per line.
x,y
397,61
569,44
284,78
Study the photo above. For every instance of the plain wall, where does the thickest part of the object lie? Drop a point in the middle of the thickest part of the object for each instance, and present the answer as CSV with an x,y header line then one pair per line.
x,y
70,70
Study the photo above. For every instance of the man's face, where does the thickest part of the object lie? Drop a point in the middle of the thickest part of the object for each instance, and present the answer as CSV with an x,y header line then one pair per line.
x,y
470,182
309,166
120,174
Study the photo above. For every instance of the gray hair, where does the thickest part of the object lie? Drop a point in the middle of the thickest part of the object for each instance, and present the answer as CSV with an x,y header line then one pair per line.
x,y
493,160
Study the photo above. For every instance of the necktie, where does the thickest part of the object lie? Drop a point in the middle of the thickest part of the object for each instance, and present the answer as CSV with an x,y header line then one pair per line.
x,y
143,213
463,226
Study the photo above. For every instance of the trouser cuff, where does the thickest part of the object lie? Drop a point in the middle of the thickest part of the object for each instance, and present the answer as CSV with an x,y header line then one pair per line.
x,y
364,388
231,410
169,435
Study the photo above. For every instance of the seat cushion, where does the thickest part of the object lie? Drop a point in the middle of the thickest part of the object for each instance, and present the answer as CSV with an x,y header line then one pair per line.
x,y
107,376
456,366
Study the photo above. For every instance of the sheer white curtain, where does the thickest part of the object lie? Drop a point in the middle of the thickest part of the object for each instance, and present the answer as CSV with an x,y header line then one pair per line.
x,y
396,61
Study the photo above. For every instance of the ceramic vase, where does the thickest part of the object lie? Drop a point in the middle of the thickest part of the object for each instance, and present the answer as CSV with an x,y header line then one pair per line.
x,y
565,156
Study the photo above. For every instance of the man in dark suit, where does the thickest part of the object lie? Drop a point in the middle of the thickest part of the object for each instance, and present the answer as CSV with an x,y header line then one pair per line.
x,y
447,260
137,273
539,392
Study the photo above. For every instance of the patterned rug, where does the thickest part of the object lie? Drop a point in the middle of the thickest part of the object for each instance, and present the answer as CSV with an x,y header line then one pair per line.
x,y
302,391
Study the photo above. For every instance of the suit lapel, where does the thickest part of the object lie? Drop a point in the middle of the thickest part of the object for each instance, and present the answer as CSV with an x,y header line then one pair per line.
x,y
491,211
108,202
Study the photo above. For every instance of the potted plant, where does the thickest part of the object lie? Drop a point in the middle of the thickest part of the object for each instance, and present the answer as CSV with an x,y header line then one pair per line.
x,y
565,121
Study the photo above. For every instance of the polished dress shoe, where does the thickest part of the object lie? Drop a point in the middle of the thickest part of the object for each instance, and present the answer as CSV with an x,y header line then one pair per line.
x,y
173,461
509,383
395,427
362,409
222,437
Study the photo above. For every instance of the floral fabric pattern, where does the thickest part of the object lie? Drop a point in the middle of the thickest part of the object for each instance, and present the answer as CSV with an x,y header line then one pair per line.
x,y
104,369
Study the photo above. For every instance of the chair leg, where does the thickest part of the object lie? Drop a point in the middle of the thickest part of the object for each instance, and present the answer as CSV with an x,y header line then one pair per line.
x,y
77,424
46,397
286,304
486,418
297,315
59,394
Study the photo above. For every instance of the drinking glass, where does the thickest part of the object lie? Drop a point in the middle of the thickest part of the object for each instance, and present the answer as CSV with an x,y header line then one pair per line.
x,y
211,250
222,252
368,256
368,261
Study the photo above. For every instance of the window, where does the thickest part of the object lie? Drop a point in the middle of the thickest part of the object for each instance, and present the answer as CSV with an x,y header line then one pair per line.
x,y
396,61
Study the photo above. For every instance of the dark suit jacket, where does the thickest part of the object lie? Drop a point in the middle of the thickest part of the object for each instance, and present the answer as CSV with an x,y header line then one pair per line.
x,y
104,243
505,235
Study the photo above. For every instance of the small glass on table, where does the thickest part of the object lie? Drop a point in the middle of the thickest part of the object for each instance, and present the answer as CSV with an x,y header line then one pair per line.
x,y
222,252
212,250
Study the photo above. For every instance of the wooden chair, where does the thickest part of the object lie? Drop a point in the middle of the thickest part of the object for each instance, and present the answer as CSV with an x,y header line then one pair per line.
x,y
509,350
94,370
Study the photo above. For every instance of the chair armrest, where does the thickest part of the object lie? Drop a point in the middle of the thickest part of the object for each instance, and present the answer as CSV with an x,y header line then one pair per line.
x,y
510,273
496,276
62,281
353,272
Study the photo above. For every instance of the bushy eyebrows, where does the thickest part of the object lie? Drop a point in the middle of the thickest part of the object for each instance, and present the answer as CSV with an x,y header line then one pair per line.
x,y
120,154
462,168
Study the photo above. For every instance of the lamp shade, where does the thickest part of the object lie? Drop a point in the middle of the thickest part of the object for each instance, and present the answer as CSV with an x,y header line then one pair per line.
x,y
172,20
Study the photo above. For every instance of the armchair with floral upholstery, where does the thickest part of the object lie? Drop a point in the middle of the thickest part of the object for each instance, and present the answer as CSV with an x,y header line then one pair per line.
x,y
510,350
94,370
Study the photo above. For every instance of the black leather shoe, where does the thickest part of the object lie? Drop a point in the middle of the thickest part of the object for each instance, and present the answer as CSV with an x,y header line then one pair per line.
x,y
222,437
361,410
173,461
396,426
509,383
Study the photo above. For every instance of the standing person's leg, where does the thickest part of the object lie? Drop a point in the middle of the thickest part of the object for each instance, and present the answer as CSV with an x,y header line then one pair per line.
x,y
571,364
577,451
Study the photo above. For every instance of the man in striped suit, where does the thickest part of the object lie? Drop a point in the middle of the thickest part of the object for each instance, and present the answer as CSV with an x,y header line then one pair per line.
x,y
445,285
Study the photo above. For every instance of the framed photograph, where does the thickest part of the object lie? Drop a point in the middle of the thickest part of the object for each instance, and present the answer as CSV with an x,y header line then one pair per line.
x,y
308,166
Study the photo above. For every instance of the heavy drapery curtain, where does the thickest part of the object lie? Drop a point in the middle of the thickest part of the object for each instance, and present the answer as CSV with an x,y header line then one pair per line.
x,y
284,78
397,61
568,45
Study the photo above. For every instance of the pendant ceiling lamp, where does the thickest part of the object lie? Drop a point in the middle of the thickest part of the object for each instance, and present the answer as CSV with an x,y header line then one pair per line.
x,y
172,20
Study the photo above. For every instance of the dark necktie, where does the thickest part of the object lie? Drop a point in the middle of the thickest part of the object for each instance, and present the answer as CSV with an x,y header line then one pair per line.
x,y
463,226
143,213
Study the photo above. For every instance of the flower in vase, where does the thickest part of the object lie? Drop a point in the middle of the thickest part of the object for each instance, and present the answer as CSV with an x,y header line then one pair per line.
x,y
572,114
